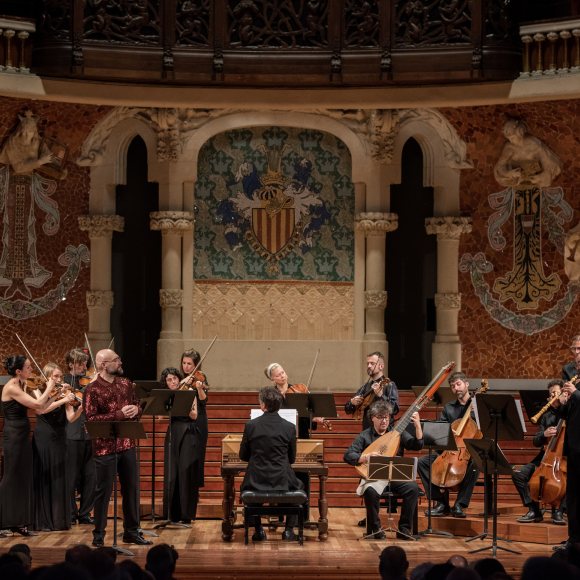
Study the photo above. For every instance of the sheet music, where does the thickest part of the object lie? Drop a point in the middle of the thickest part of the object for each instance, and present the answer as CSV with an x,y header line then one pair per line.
x,y
520,414
290,415
476,412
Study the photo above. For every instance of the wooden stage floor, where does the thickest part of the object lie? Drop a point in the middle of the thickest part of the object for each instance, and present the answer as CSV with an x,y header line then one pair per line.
x,y
203,554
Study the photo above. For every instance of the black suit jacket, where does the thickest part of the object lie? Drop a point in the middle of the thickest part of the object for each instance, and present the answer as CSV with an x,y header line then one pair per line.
x,y
269,447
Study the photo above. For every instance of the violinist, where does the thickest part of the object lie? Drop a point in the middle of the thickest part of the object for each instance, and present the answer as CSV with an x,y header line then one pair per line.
x,y
190,359
380,415
278,376
16,512
521,478
51,492
181,484
377,388
80,463
571,412
452,411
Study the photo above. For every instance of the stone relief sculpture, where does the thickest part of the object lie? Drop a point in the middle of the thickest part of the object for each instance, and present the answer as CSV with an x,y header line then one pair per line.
x,y
25,192
527,168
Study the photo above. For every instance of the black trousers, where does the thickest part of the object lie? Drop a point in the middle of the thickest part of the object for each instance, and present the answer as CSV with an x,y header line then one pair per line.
x,y
408,491
81,476
127,470
521,481
465,489
572,499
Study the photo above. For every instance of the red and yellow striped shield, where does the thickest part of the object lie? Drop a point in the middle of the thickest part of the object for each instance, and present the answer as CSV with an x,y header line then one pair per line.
x,y
273,230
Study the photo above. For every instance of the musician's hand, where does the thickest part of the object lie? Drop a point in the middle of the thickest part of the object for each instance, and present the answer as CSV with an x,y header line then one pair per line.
x,y
568,388
130,411
416,419
378,389
550,432
70,398
198,385
356,401
318,419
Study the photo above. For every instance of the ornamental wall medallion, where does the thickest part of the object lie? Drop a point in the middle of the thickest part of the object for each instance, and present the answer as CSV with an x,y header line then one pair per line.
x,y
274,203
28,166
527,168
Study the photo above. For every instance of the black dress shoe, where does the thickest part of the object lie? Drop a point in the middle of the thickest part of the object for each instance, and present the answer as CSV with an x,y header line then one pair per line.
x,y
98,542
439,510
404,534
376,535
136,539
86,520
457,512
362,523
23,531
288,535
259,536
531,517
558,518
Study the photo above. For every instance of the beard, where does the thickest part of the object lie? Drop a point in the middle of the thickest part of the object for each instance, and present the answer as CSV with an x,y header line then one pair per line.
x,y
118,372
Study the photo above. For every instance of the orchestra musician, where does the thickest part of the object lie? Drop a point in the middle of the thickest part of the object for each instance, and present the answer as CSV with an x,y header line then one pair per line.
x,y
181,484
51,492
80,463
269,446
190,359
521,478
378,387
452,411
571,412
16,511
111,397
279,378
380,415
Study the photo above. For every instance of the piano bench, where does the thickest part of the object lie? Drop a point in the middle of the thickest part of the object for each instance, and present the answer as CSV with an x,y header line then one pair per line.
x,y
280,503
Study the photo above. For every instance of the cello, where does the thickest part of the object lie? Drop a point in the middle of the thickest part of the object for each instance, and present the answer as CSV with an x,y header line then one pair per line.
x,y
449,468
388,444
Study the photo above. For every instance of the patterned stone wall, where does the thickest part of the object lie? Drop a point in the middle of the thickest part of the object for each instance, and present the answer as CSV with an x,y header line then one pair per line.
x,y
490,348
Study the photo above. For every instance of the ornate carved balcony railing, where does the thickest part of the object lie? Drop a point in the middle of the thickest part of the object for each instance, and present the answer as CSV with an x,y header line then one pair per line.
x,y
550,48
15,46
278,42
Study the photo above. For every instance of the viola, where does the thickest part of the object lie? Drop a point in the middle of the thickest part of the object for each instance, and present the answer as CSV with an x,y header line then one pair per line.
x,y
449,468
369,398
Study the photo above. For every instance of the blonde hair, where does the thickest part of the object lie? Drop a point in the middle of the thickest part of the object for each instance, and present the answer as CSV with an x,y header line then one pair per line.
x,y
49,368
270,369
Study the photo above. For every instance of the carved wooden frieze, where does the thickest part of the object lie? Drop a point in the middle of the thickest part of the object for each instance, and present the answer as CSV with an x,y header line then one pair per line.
x,y
192,22
361,24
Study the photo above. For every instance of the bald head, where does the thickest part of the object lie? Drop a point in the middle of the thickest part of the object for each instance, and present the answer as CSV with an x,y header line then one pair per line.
x,y
108,362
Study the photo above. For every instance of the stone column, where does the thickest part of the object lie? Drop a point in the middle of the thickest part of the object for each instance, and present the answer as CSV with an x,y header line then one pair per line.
x,y
447,345
100,296
375,226
172,225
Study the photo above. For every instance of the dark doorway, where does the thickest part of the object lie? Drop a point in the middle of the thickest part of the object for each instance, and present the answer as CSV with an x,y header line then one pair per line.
x,y
136,314
411,275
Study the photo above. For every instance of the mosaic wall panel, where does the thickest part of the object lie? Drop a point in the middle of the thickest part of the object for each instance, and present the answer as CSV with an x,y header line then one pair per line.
x,y
503,337
270,311
43,289
274,203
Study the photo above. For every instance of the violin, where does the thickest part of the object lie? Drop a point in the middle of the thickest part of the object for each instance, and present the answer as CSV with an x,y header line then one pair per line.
x,y
449,468
194,377
369,398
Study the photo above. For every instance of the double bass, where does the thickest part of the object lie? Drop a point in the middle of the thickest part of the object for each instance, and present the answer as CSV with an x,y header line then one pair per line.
x,y
449,468
388,444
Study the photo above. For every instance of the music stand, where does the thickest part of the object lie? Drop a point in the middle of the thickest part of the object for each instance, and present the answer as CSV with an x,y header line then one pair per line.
x,y
499,418
392,469
116,430
436,435
312,405
533,401
143,391
168,403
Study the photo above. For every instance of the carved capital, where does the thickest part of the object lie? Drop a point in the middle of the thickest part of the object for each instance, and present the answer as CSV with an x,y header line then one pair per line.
x,y
100,299
376,223
448,300
170,298
101,226
448,228
375,299
171,222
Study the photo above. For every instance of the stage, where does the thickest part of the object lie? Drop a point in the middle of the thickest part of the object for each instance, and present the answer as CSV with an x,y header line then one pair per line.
x,y
203,554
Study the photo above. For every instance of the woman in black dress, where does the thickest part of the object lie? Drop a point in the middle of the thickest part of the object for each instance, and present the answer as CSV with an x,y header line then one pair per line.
x,y
16,486
181,489
51,494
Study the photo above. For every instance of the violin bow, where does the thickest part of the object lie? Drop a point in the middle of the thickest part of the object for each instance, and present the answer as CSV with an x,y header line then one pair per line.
x,y
312,369
192,373
90,352
29,355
